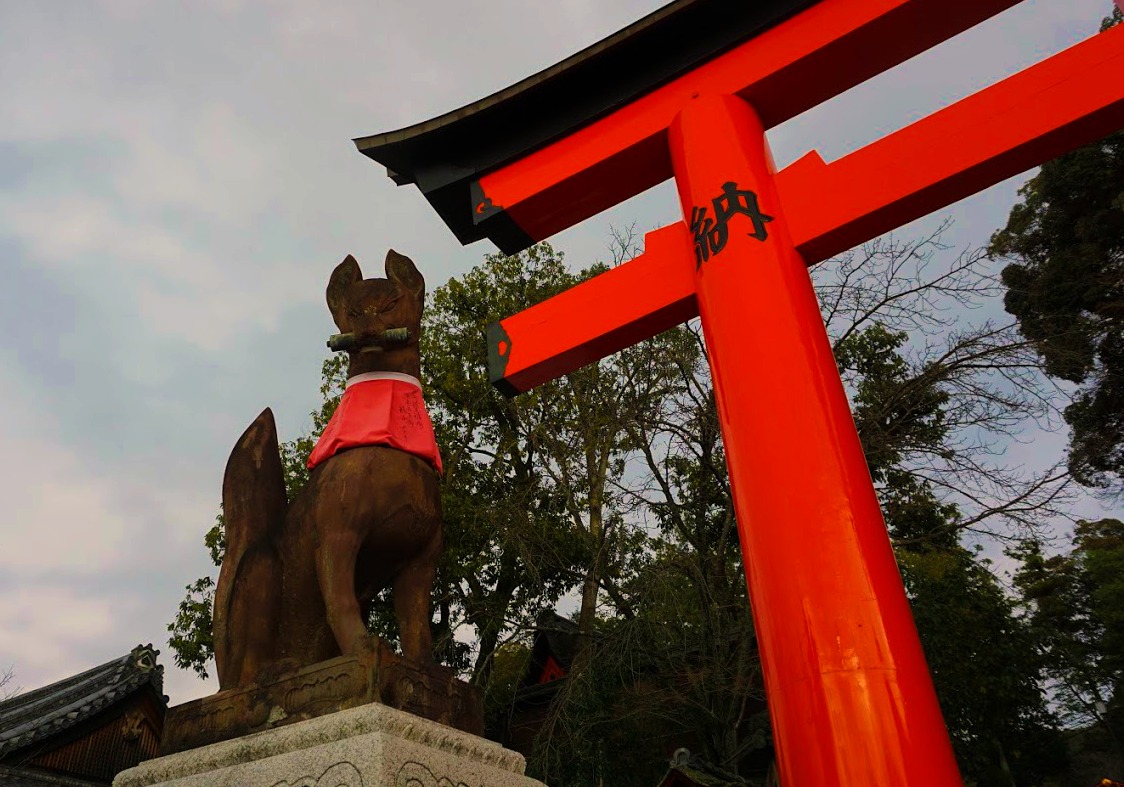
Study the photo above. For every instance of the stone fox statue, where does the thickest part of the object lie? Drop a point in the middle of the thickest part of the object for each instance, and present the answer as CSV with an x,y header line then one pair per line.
x,y
298,576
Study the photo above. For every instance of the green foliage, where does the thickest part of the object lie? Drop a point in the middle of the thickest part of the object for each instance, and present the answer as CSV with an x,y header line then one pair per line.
x,y
1100,555
610,484
530,505
511,547
986,668
983,657
191,642
680,670
215,540
896,410
915,517
1076,605
509,665
1066,288
676,662
1113,19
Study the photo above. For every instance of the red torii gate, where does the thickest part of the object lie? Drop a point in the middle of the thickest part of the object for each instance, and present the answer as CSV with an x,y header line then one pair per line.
x,y
849,692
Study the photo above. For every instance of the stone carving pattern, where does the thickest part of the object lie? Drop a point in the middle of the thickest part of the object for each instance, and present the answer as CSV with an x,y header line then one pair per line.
x,y
342,774
132,724
414,774
307,694
317,690
219,716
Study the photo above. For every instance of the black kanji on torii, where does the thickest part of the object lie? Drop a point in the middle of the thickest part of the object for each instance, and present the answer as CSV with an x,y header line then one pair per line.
x,y
711,234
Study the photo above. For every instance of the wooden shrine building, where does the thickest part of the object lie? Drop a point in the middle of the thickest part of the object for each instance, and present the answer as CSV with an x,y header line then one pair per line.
x,y
85,729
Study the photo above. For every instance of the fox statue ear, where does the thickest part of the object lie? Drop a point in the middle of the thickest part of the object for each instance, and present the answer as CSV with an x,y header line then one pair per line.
x,y
400,270
345,274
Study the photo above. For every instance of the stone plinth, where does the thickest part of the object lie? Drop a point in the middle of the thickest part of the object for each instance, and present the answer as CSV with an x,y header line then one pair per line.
x,y
369,746
383,676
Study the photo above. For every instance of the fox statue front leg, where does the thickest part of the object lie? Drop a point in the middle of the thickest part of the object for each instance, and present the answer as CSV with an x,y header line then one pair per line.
x,y
247,598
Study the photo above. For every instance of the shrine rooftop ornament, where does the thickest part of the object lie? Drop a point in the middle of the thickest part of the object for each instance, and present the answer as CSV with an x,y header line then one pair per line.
x,y
688,92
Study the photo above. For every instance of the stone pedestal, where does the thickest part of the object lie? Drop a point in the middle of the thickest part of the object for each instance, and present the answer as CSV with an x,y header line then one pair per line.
x,y
288,697
369,746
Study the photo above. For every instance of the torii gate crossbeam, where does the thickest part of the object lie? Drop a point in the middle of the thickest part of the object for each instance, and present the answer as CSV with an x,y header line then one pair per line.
x,y
850,696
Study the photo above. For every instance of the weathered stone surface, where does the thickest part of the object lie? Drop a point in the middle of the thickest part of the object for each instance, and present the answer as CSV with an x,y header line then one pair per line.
x,y
370,746
379,675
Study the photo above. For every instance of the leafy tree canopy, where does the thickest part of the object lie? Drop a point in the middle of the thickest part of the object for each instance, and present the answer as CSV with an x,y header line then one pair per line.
x,y
1076,605
1066,288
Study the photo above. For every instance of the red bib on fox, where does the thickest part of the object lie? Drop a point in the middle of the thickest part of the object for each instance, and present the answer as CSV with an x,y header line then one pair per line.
x,y
380,408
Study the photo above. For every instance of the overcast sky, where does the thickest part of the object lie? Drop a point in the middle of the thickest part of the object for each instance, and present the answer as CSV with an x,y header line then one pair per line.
x,y
177,181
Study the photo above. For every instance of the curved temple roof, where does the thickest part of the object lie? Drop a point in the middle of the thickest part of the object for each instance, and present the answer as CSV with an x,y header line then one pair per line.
x,y
34,715
442,156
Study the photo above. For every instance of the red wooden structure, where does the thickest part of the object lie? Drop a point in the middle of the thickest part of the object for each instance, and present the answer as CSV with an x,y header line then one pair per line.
x,y
850,695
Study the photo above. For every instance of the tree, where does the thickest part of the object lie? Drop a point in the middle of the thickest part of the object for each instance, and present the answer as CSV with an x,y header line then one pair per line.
x,y
527,519
935,396
919,385
529,510
1065,285
985,663
532,494
609,487
6,677
1076,603
191,641
676,658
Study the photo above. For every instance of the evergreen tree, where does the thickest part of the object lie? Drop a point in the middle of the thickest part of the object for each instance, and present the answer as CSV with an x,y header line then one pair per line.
x,y
1065,286
1076,605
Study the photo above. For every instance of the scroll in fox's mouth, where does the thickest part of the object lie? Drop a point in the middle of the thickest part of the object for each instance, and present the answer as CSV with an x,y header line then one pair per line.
x,y
345,342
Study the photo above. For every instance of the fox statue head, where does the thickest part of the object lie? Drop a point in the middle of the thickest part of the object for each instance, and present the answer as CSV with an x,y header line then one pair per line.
x,y
368,308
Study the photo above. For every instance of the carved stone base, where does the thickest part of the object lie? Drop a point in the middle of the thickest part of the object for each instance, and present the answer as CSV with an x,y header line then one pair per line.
x,y
432,692
369,746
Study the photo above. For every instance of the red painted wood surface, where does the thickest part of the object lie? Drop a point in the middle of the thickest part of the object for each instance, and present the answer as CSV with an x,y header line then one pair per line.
x,y
794,66
638,299
1068,100
849,691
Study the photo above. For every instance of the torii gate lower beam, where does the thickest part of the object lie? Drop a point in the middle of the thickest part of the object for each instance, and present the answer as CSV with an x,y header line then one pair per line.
x,y
850,696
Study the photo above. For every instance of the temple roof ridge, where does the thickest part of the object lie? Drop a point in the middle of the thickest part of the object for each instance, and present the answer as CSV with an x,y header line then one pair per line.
x,y
34,715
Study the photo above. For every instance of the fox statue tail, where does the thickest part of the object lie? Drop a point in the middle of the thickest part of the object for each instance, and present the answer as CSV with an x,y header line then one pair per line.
x,y
247,601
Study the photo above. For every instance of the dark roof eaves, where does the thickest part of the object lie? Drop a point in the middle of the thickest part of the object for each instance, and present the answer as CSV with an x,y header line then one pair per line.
x,y
520,87
99,688
15,776
446,155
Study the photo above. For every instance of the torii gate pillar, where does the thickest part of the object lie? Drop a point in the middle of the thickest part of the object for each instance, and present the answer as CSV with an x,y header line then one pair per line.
x,y
847,669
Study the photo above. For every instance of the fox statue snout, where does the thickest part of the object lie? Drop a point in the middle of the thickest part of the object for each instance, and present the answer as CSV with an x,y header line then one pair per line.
x,y
299,575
